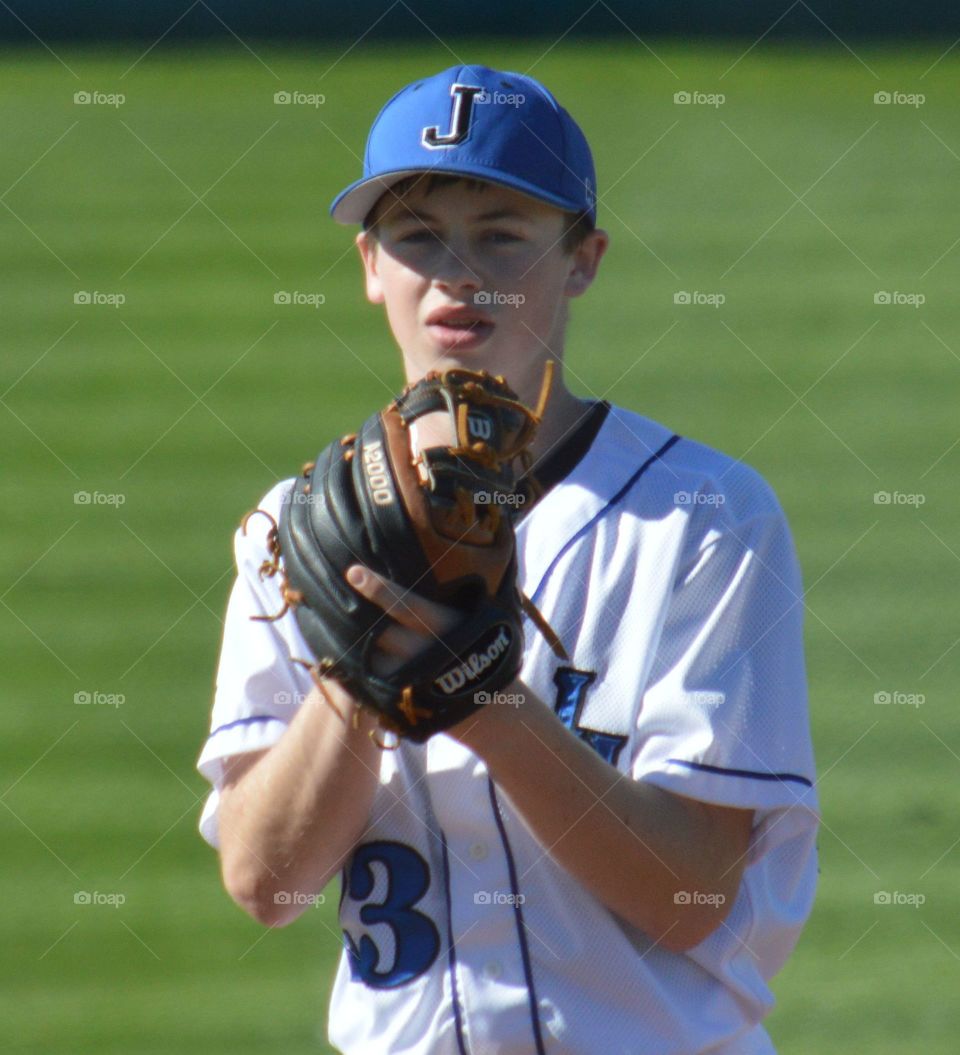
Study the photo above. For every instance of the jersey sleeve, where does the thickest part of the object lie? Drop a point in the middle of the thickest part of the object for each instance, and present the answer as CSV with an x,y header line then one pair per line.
x,y
724,712
258,686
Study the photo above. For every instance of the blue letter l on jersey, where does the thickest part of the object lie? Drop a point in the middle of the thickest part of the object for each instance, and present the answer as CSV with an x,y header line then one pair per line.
x,y
571,691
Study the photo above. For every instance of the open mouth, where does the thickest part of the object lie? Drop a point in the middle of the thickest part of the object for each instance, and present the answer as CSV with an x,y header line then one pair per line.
x,y
459,327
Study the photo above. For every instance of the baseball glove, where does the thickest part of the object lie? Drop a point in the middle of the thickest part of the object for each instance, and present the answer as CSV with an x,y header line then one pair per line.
x,y
439,523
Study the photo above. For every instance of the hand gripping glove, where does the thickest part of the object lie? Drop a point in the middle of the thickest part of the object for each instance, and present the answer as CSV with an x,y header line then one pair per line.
x,y
438,523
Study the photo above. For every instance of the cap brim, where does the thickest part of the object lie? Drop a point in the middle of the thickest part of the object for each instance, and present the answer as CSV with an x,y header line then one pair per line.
x,y
353,203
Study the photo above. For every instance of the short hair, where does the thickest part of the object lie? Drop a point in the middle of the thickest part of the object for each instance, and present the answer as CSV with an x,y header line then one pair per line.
x,y
579,226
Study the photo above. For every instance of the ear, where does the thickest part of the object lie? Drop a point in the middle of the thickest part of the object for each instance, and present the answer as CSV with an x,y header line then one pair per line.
x,y
585,261
369,248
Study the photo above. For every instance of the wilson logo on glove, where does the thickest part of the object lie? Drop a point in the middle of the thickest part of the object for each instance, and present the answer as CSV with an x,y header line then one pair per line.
x,y
481,428
477,663
375,466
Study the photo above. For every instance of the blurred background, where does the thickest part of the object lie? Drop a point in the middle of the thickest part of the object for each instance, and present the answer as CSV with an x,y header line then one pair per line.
x,y
780,186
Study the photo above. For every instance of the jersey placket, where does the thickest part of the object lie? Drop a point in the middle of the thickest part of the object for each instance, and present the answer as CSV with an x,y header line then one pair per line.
x,y
491,976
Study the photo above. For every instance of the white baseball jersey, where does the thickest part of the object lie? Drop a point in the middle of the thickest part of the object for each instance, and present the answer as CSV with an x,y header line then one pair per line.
x,y
669,573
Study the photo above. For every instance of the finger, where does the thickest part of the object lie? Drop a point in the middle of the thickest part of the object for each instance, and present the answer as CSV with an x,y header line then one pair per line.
x,y
401,642
398,644
406,607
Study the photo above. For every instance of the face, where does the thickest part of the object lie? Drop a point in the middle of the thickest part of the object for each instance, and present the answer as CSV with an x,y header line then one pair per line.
x,y
475,278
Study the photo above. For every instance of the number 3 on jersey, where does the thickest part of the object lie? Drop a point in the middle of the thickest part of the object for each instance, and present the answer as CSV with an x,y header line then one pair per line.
x,y
415,938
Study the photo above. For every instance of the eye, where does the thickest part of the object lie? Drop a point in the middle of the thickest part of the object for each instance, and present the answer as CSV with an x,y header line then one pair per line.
x,y
503,237
418,235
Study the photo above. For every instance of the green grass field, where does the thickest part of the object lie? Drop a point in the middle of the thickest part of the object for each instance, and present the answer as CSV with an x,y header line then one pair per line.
x,y
798,199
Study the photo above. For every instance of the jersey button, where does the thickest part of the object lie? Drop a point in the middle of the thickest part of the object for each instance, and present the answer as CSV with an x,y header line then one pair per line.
x,y
493,970
478,851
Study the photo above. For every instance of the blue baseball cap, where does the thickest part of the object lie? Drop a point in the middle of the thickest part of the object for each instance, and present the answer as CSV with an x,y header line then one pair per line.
x,y
476,122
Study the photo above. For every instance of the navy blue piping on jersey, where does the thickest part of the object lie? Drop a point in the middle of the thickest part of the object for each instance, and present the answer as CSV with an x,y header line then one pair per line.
x,y
752,773
452,960
656,456
518,919
243,721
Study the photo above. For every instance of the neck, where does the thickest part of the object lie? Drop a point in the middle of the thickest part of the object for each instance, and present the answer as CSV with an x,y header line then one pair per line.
x,y
563,413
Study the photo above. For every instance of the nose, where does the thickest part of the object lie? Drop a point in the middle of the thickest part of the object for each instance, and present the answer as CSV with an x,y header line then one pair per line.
x,y
455,271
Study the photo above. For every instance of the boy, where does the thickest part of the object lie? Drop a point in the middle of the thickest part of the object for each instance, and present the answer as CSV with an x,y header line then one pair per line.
x,y
621,860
